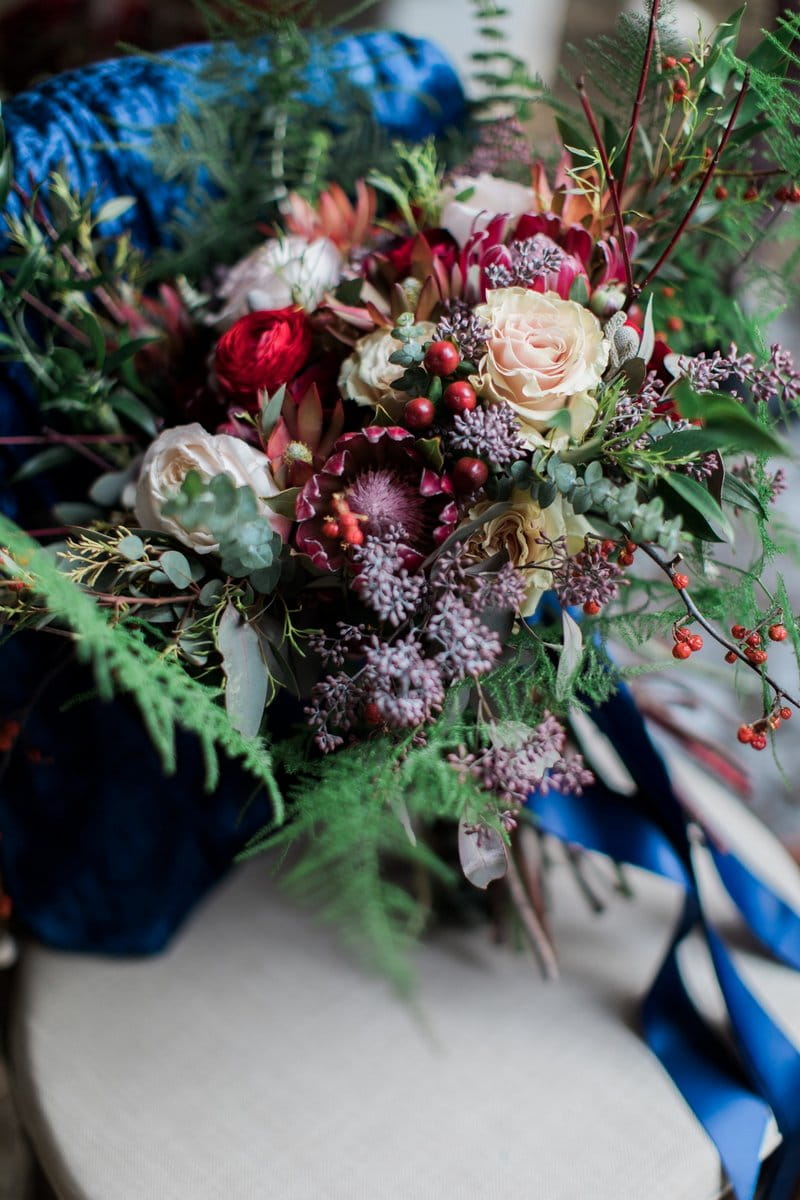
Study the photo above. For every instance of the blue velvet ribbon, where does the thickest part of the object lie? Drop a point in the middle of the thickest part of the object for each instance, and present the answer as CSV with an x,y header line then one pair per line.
x,y
733,1093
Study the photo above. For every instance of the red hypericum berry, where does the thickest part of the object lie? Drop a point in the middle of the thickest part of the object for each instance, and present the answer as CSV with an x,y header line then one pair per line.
x,y
750,193
668,292
786,713
783,193
681,650
721,192
674,324
460,396
753,639
669,63
625,559
738,631
794,195
353,535
696,642
777,633
682,634
759,742
745,734
441,358
331,528
591,608
687,61
730,657
755,656
419,413
607,546
372,714
680,582
469,474
774,721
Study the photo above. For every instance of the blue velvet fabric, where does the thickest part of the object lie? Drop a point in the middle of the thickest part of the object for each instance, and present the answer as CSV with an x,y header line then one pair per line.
x,y
98,850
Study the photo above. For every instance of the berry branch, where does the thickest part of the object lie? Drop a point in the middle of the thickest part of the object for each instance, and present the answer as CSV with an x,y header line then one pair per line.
x,y
668,567
705,181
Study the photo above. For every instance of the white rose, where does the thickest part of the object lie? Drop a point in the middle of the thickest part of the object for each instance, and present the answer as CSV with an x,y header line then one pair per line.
x,y
518,531
488,197
283,271
187,448
543,354
367,375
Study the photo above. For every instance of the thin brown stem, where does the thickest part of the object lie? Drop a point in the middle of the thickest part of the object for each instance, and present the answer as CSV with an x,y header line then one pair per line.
x,y
50,314
637,104
611,183
669,569
538,938
53,438
111,599
706,180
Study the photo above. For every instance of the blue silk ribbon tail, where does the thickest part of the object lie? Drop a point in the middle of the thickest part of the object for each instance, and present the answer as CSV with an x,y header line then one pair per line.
x,y
733,1095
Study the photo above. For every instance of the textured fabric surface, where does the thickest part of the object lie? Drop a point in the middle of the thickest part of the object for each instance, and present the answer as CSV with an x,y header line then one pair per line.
x,y
99,851
254,1061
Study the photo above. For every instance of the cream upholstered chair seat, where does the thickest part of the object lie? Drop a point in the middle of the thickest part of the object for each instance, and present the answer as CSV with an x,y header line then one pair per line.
x,y
256,1061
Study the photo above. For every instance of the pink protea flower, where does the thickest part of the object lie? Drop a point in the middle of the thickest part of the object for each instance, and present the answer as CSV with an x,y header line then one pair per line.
x,y
376,478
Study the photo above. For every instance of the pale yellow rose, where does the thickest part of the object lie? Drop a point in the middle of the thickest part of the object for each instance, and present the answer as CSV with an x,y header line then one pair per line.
x,y
367,375
524,532
543,354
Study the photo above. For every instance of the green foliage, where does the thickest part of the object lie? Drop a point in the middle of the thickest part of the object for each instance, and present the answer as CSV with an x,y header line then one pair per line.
x,y
122,661
249,548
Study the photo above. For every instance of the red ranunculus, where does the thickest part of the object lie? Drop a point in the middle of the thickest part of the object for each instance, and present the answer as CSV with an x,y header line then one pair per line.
x,y
262,351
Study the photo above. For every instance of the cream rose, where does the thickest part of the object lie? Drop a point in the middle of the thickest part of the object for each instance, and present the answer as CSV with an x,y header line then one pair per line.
x,y
543,354
487,197
283,271
367,375
186,448
517,532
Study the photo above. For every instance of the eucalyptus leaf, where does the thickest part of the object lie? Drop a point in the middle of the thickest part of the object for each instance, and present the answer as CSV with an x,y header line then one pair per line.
x,y
482,854
113,209
176,568
571,654
44,460
131,547
245,671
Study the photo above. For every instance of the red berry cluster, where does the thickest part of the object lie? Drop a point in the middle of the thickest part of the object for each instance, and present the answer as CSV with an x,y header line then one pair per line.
x,y
679,85
750,642
686,642
345,525
788,194
459,396
755,735
626,554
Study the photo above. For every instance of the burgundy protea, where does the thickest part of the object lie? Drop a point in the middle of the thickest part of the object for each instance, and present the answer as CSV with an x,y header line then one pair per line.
x,y
374,483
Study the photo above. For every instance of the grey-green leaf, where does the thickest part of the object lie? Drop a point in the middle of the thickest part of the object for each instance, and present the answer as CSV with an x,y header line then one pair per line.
x,y
246,691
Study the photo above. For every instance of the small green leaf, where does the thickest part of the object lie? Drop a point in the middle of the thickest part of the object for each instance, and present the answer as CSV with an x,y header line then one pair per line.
x,y
740,495
112,210
211,593
131,407
271,412
45,460
176,568
283,504
131,547
431,451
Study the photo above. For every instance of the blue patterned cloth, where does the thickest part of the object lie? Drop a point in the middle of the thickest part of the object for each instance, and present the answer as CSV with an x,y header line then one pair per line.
x,y
98,850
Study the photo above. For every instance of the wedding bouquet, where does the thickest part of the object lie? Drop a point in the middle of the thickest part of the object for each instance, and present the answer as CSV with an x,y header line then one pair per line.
x,y
364,506
404,467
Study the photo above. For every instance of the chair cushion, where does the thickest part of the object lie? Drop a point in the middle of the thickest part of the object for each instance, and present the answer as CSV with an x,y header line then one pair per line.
x,y
255,1060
